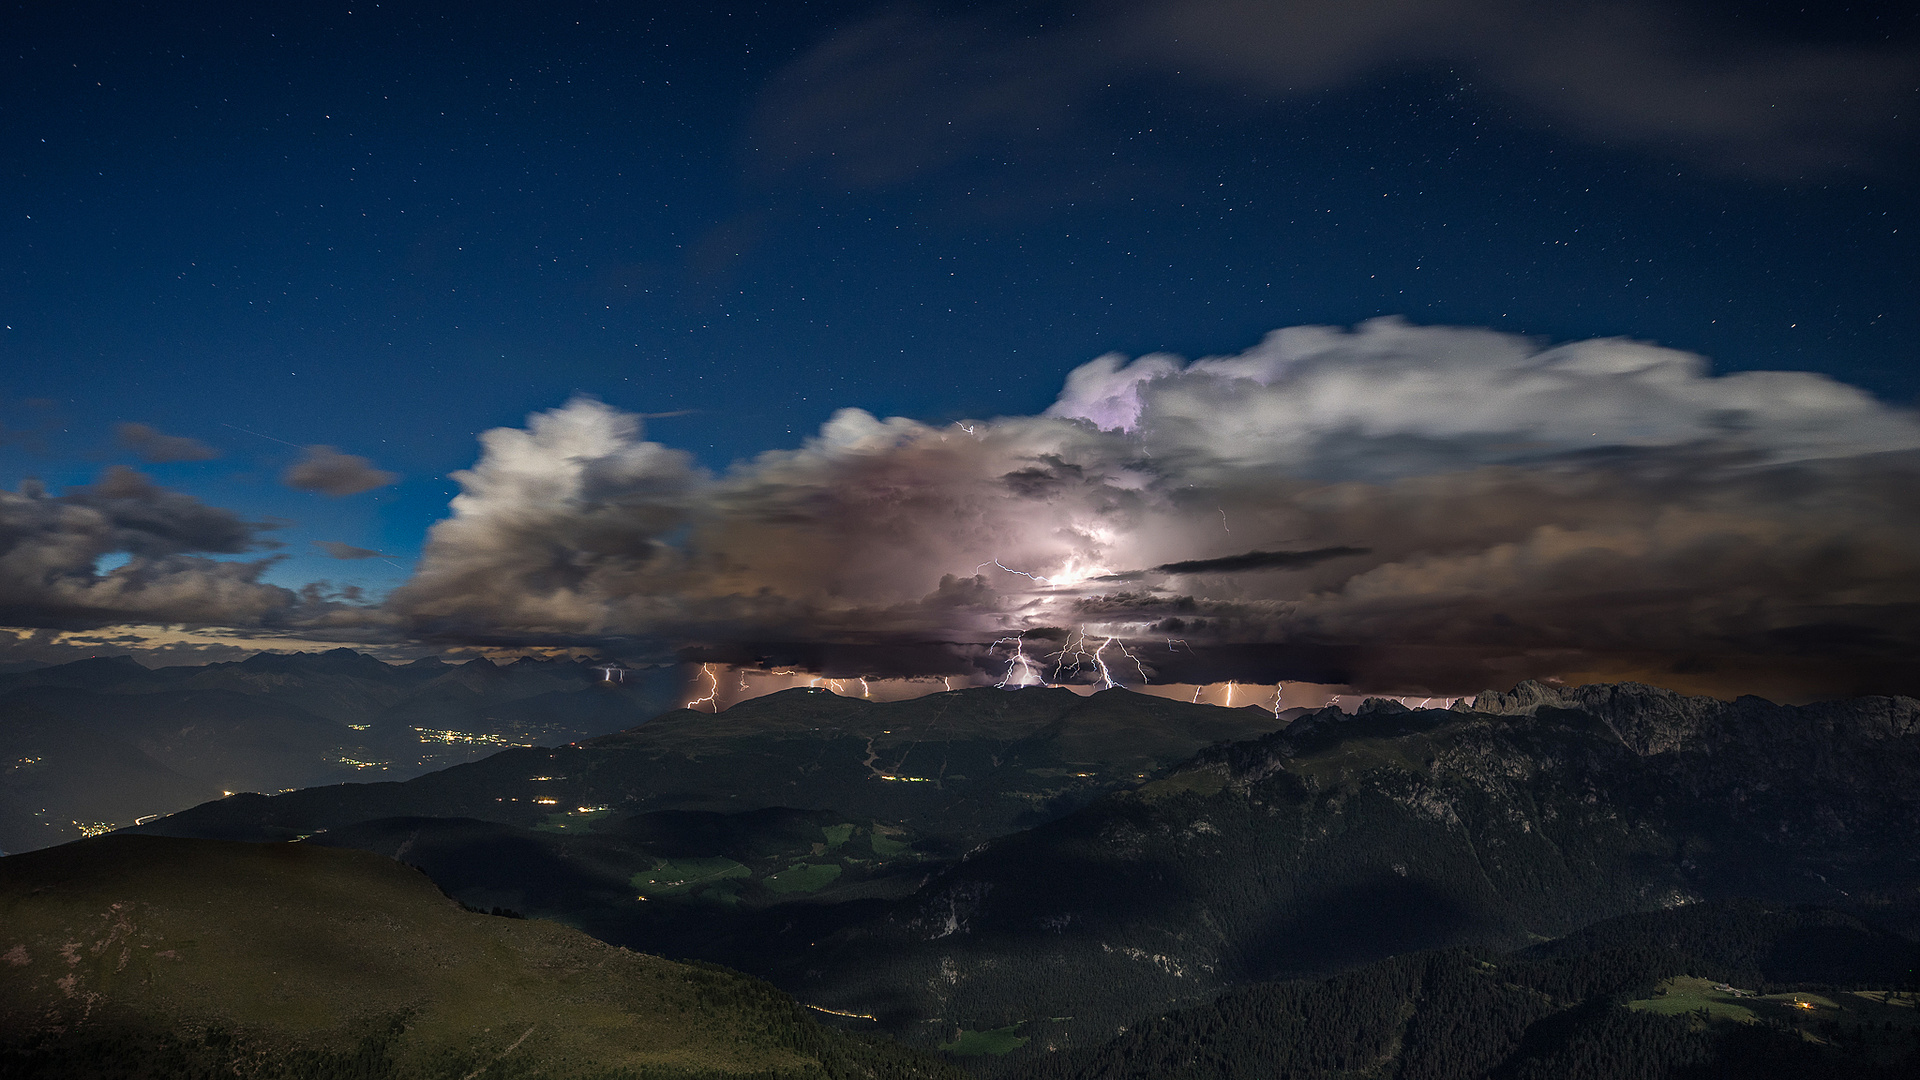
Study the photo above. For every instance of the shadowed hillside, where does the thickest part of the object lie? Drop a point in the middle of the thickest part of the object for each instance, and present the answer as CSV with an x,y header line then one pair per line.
x,y
159,957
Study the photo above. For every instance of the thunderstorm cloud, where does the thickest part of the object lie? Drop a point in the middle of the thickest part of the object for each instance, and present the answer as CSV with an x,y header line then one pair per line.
x,y
1393,506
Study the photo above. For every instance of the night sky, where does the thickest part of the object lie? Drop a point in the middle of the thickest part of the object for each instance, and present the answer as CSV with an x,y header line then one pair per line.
x,y
380,230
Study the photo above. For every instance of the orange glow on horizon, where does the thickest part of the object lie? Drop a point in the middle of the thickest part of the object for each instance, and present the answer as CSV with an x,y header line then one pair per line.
x,y
718,687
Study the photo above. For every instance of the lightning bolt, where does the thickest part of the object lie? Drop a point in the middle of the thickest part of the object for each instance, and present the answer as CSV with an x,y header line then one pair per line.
x,y
1011,570
865,690
1018,661
713,692
1075,654
1099,661
1072,655
1137,665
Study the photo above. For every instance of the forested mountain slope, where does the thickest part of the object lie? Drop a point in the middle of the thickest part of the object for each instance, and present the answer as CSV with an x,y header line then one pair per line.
x,y
1344,840
1716,989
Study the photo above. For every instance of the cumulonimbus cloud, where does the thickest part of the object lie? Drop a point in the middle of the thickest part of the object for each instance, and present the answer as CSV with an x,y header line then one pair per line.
x,y
330,472
1499,509
906,89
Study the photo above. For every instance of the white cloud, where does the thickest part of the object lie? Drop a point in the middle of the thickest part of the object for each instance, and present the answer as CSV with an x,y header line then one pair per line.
x,y
1391,398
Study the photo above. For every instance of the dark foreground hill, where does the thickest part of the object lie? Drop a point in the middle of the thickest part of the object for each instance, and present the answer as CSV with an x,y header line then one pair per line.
x,y
162,958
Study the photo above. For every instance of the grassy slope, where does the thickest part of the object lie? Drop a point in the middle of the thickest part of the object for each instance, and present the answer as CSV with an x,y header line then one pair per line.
x,y
299,947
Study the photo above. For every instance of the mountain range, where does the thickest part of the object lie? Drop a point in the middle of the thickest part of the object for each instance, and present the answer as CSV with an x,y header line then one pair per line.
x,y
1037,883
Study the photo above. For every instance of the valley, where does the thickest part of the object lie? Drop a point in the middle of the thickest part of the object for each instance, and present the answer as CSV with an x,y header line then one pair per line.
x,y
94,745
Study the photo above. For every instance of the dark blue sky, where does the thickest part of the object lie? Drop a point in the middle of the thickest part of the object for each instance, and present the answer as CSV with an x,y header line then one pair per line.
x,y
386,228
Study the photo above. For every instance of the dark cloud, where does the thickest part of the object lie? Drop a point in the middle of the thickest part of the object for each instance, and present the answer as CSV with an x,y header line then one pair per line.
x,y
157,447
330,472
908,89
338,550
50,547
1259,560
1455,509
161,546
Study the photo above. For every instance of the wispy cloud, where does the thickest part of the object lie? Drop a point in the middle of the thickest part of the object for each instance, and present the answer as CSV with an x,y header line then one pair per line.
x,y
157,447
909,89
336,549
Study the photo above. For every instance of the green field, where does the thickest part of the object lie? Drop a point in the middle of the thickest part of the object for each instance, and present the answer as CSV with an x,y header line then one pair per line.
x,y
803,878
674,877
994,1043
884,844
1805,1011
1678,997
